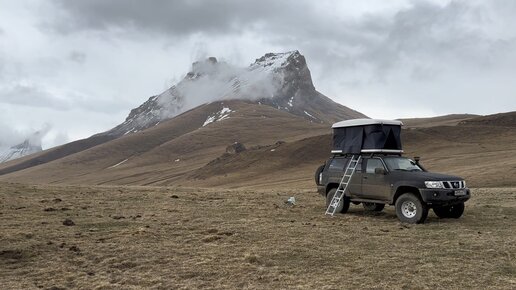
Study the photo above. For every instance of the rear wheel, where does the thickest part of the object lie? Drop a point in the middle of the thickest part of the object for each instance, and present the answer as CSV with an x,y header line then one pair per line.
x,y
343,204
371,206
410,209
451,211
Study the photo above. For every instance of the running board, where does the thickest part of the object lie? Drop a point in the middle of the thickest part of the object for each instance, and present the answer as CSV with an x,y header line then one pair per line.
x,y
368,200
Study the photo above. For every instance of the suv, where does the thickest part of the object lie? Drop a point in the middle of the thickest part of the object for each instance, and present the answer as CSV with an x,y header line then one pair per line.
x,y
381,179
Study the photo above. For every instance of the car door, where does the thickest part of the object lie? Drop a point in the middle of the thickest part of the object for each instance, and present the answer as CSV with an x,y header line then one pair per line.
x,y
336,170
375,185
355,186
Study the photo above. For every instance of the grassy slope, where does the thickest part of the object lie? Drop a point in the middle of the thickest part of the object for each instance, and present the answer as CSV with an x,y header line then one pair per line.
x,y
446,120
152,153
482,150
484,155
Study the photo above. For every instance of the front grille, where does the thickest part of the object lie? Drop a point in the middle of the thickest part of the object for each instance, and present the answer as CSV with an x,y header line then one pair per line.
x,y
454,184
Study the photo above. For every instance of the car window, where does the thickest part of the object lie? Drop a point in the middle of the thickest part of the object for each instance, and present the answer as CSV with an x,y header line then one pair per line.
x,y
338,164
372,164
402,164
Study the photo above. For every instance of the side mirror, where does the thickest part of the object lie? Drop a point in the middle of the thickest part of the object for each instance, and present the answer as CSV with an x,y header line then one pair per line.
x,y
417,158
379,170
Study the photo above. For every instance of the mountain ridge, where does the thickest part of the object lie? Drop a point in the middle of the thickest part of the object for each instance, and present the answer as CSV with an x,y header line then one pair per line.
x,y
282,149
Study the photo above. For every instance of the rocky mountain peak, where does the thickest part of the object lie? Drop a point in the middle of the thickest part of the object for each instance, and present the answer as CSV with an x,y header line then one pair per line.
x,y
280,80
276,60
209,66
293,68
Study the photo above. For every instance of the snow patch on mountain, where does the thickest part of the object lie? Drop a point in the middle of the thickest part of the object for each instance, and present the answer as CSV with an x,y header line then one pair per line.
x,y
271,62
310,115
290,101
119,163
219,116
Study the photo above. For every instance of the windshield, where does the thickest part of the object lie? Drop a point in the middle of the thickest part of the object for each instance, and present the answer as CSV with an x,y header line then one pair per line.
x,y
401,164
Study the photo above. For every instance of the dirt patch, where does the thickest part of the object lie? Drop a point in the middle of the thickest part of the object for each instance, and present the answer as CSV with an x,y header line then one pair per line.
x,y
11,254
211,239
68,222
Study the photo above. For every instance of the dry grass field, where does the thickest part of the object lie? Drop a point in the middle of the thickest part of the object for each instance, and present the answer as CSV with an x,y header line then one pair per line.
x,y
184,238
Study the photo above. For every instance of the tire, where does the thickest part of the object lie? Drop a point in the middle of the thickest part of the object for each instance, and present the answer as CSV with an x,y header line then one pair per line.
x,y
344,202
317,172
371,206
410,209
451,211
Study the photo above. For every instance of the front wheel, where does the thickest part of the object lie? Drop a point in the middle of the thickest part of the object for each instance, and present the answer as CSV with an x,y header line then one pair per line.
x,y
451,211
410,209
343,204
371,206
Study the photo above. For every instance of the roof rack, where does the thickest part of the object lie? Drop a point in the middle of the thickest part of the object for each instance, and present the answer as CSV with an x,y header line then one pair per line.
x,y
368,151
365,122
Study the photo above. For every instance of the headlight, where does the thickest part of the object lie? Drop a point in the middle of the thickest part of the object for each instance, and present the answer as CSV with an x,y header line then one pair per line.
x,y
434,184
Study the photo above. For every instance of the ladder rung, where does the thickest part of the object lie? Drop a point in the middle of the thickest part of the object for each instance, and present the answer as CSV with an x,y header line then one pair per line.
x,y
344,183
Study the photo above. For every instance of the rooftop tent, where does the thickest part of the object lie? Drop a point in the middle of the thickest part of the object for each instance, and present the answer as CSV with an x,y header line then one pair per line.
x,y
367,136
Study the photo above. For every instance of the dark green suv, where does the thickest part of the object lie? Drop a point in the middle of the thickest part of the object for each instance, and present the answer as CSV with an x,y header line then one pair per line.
x,y
382,179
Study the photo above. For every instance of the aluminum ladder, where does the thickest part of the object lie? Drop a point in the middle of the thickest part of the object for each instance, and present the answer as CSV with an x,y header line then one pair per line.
x,y
343,186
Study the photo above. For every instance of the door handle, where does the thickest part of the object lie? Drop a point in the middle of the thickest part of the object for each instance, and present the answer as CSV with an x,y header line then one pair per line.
x,y
365,177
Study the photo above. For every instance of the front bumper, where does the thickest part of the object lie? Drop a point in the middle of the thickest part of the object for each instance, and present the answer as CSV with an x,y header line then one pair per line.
x,y
444,196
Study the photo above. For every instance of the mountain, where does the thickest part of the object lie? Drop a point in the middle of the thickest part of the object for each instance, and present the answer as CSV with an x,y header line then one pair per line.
x,y
279,80
272,99
168,152
20,150
183,136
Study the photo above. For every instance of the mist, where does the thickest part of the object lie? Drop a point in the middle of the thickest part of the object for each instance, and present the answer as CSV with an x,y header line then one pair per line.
x,y
11,137
210,80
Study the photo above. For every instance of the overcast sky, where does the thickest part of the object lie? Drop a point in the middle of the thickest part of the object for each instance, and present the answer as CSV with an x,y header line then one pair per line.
x,y
78,67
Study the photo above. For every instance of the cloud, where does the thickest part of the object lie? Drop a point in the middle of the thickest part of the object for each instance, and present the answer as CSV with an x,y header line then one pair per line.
x,y
210,80
52,137
27,94
358,53
60,138
38,96
178,18
77,56
11,136
37,137
422,35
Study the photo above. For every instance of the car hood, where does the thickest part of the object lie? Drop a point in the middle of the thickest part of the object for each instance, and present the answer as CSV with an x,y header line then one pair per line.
x,y
431,176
